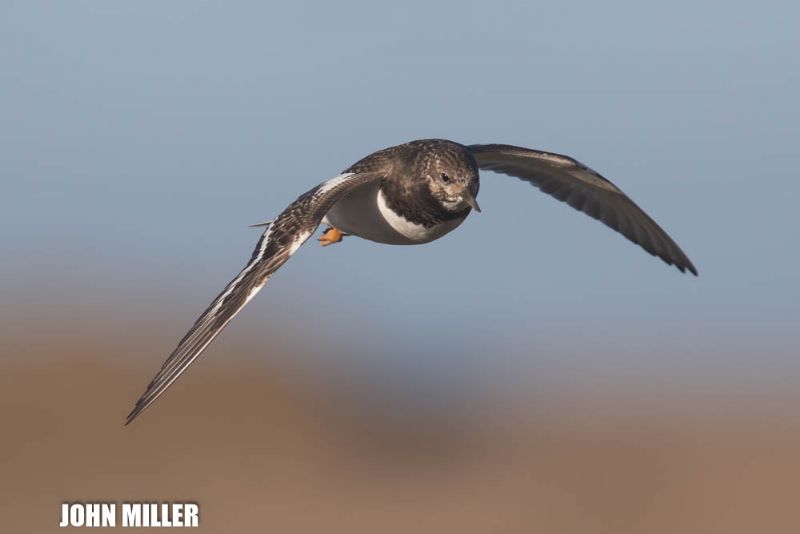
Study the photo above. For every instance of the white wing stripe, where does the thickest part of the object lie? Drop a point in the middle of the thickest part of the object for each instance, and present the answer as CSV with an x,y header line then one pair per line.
x,y
249,267
334,182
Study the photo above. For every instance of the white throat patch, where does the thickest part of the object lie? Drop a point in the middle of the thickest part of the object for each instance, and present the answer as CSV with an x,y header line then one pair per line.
x,y
406,228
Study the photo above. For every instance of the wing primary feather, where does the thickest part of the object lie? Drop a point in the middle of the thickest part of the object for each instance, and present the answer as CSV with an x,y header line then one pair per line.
x,y
203,332
283,236
584,189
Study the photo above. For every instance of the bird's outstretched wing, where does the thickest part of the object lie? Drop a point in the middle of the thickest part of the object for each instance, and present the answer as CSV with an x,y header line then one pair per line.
x,y
282,238
582,188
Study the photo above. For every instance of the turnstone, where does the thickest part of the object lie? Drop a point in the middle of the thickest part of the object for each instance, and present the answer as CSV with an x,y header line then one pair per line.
x,y
406,195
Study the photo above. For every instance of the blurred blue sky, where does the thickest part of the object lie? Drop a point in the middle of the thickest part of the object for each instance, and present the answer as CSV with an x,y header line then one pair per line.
x,y
139,139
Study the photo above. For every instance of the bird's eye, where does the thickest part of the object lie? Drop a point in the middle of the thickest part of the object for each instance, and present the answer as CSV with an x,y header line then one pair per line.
x,y
445,178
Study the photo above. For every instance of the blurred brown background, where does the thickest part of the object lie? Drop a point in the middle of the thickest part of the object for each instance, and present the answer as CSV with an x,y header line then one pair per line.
x,y
530,372
268,447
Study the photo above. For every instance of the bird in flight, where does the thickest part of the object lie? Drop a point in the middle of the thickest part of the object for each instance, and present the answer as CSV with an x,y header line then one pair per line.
x,y
406,195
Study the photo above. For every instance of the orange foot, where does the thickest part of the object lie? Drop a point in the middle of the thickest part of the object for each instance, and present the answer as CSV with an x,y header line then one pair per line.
x,y
330,236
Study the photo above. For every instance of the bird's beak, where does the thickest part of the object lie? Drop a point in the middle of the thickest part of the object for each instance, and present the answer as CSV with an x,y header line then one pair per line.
x,y
469,199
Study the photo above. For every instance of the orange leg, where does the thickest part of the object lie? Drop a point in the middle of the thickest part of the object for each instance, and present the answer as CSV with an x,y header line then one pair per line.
x,y
330,236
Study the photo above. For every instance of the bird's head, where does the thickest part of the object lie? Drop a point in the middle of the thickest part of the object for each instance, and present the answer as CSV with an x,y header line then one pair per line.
x,y
454,184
